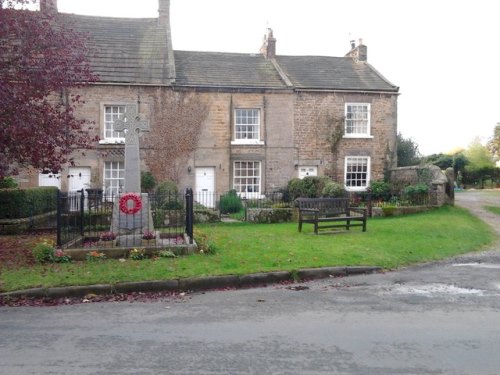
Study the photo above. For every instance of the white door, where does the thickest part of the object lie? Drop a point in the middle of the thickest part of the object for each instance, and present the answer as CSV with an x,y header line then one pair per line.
x,y
205,186
79,178
49,179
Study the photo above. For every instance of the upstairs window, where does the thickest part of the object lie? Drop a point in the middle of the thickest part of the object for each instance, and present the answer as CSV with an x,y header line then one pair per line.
x,y
247,126
357,120
112,113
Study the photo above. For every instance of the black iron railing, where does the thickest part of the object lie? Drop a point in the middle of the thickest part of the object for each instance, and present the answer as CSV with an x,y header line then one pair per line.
x,y
85,220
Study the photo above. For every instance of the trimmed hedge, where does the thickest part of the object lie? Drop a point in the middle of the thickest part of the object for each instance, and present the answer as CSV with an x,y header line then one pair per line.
x,y
22,203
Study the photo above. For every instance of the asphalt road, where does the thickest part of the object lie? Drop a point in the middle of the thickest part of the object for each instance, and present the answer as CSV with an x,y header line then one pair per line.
x,y
439,318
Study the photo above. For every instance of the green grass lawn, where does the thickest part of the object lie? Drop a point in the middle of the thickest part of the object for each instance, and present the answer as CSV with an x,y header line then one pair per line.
x,y
247,248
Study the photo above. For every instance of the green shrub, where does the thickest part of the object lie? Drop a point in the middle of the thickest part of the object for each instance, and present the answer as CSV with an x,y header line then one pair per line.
x,y
137,254
205,246
230,203
148,182
167,196
166,187
308,187
61,257
22,203
415,194
43,252
159,217
333,189
416,189
166,254
294,188
8,183
380,190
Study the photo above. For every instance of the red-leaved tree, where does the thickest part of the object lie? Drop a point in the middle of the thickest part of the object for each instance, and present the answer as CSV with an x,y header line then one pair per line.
x,y
41,60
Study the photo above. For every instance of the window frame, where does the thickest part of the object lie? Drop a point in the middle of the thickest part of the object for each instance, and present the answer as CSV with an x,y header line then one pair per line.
x,y
349,162
106,123
237,138
357,134
113,190
242,188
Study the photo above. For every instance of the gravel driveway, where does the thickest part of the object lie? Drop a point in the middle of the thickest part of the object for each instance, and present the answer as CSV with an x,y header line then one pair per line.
x,y
476,200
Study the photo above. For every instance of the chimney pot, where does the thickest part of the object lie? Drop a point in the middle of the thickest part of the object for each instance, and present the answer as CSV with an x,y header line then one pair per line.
x,y
268,48
358,53
48,6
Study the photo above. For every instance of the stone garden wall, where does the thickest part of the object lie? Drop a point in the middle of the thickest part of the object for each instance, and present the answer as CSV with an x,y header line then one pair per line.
x,y
440,183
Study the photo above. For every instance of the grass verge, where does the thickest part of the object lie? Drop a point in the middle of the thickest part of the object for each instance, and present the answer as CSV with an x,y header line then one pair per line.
x,y
247,248
493,209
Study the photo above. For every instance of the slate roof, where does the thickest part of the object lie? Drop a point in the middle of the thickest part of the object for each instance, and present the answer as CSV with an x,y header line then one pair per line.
x,y
125,50
218,69
138,51
340,73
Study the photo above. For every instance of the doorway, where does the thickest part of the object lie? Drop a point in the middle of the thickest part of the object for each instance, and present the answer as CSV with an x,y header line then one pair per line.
x,y
205,186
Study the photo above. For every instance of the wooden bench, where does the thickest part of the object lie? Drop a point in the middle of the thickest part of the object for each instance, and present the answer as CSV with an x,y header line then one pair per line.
x,y
330,210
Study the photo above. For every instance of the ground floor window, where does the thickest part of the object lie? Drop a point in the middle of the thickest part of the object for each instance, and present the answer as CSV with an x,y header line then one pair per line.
x,y
357,172
247,177
114,177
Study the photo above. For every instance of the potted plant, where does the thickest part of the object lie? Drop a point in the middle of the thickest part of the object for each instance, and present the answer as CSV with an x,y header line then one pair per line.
x,y
149,238
107,239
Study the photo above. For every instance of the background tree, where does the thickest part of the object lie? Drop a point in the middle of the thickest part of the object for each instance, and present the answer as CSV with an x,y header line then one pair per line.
x,y
41,60
478,155
494,143
407,151
174,135
457,160
441,160
481,166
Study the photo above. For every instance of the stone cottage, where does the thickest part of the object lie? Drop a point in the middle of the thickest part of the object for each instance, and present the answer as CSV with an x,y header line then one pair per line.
x,y
264,118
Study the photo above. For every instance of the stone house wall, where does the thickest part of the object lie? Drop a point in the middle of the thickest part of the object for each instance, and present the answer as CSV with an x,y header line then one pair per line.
x,y
312,132
293,133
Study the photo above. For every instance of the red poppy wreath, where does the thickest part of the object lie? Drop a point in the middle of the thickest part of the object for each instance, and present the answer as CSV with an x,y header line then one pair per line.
x,y
124,205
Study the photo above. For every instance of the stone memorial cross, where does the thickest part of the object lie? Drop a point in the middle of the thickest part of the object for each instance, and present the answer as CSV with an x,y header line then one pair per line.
x,y
131,124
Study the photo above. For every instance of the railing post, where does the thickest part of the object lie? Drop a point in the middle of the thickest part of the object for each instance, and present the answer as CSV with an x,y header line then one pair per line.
x,y
32,213
59,218
82,211
369,203
189,214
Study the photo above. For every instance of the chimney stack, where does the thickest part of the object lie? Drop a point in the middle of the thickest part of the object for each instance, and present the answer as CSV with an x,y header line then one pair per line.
x,y
164,13
359,53
268,48
48,6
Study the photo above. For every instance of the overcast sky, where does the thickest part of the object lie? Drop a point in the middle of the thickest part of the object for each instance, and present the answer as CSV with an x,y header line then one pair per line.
x,y
443,54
